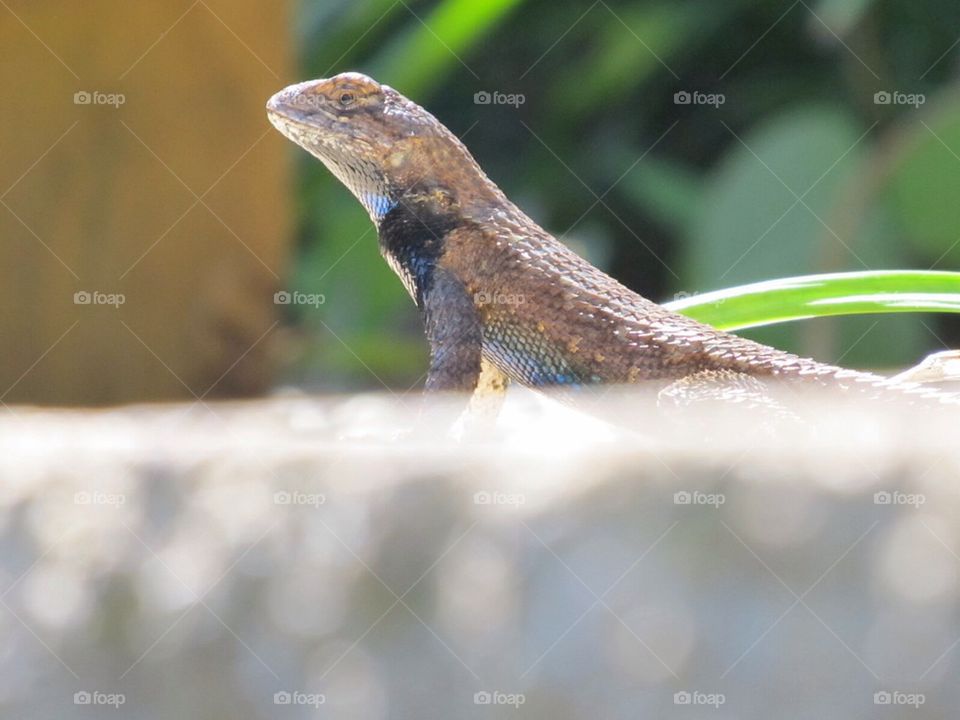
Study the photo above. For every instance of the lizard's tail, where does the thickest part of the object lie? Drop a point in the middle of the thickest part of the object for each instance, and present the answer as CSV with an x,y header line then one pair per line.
x,y
941,367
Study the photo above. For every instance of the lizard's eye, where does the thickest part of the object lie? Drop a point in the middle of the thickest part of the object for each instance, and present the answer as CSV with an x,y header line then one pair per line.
x,y
347,99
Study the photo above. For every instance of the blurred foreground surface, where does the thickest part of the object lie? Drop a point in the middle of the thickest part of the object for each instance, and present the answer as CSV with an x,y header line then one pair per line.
x,y
288,559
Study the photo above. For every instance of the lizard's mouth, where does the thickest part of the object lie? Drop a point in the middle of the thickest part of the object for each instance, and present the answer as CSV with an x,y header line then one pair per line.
x,y
287,107
309,125
298,106
306,119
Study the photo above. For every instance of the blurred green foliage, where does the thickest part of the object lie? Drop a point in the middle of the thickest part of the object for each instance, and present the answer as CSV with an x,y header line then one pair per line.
x,y
802,169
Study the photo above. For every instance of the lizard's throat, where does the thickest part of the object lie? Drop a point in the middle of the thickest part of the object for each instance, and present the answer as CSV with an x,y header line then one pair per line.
x,y
377,202
362,179
369,189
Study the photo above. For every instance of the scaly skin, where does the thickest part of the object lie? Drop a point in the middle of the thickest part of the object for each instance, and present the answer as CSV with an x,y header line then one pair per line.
x,y
501,298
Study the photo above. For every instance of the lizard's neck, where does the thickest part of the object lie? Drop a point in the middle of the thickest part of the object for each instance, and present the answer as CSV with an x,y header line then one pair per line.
x,y
412,237
435,186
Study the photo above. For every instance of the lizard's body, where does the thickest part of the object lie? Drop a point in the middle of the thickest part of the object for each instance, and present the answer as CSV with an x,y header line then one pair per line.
x,y
501,298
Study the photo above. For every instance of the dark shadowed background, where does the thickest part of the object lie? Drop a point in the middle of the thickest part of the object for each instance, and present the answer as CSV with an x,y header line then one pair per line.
x,y
682,146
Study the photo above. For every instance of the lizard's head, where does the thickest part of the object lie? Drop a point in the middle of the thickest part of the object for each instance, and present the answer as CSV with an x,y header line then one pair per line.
x,y
383,147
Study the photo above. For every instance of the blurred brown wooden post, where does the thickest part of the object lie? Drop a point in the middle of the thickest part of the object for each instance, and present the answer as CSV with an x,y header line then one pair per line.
x,y
178,199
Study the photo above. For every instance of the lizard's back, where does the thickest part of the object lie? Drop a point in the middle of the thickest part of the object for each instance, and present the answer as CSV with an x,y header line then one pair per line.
x,y
552,318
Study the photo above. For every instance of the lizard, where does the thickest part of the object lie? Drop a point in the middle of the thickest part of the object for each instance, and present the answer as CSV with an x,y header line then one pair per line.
x,y
502,300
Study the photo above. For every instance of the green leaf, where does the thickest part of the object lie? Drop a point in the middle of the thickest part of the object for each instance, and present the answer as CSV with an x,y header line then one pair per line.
x,y
418,58
632,44
797,298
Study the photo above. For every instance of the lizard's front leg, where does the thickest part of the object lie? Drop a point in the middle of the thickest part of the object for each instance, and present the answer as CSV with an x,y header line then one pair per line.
x,y
455,333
